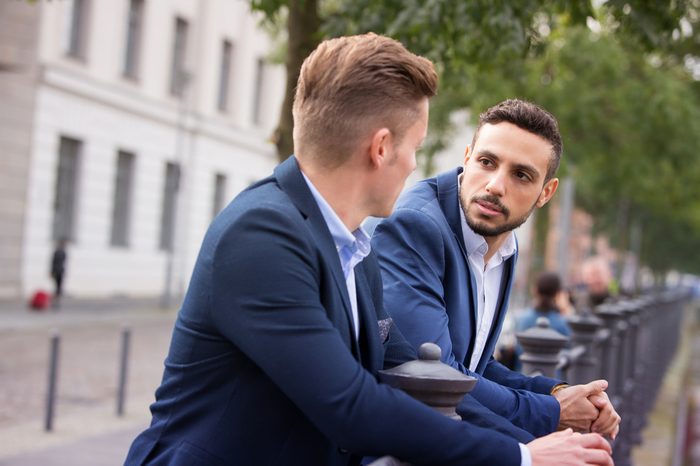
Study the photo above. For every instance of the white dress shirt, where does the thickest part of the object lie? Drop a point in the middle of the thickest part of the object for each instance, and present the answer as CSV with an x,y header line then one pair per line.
x,y
488,279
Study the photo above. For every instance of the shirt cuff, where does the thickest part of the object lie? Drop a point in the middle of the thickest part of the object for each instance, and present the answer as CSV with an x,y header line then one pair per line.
x,y
525,457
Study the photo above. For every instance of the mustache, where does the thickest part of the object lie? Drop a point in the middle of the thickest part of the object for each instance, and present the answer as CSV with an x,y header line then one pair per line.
x,y
493,200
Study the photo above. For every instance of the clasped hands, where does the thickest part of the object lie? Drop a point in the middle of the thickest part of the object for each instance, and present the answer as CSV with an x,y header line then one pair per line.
x,y
587,408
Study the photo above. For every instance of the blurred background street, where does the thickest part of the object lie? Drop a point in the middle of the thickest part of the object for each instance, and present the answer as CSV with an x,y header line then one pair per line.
x,y
86,429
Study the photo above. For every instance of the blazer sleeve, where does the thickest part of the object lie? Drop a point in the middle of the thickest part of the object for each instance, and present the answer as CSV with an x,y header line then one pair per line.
x,y
410,248
265,299
501,374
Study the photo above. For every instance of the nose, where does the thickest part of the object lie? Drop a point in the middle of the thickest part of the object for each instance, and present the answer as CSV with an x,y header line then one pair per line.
x,y
496,184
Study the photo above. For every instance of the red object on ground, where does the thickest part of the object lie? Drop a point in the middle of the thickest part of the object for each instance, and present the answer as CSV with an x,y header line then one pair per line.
x,y
40,300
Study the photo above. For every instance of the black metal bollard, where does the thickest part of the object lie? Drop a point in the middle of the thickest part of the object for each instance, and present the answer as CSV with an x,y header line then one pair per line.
x,y
609,349
640,362
583,332
623,445
52,381
649,352
541,346
123,366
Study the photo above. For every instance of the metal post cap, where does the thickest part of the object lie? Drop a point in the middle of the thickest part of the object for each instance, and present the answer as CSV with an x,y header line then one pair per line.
x,y
429,380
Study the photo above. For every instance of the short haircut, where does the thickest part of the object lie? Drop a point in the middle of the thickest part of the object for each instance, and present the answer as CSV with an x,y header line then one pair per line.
x,y
547,286
352,85
530,117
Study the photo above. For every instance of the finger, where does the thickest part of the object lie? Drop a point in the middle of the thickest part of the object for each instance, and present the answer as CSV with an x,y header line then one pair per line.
x,y
595,387
595,441
608,427
604,424
597,457
588,410
606,421
615,432
599,400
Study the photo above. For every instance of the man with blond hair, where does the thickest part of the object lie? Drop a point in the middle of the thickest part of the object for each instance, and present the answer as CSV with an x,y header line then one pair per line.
x,y
276,348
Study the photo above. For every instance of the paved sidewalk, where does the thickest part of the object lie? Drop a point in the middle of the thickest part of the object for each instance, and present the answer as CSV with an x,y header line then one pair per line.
x,y
100,450
15,315
86,428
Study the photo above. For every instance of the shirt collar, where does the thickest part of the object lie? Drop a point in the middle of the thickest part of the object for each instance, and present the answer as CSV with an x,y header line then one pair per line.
x,y
352,246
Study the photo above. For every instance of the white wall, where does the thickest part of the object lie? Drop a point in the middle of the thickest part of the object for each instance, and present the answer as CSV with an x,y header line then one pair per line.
x,y
92,101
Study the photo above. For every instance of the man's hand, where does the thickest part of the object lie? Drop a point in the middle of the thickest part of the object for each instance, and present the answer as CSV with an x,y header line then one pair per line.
x,y
577,410
608,422
567,448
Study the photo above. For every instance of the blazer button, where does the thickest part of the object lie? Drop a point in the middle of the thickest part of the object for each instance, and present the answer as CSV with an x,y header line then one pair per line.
x,y
343,451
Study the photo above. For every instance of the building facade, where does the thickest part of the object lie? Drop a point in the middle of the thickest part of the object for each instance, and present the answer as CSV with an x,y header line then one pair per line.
x,y
125,127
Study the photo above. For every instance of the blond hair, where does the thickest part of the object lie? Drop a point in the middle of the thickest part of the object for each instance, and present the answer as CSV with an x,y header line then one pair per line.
x,y
351,85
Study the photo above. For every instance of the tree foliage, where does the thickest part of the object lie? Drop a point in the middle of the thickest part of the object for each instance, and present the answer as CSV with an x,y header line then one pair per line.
x,y
615,76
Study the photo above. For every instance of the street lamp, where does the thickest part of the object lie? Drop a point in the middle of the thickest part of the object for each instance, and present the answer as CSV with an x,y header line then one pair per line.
x,y
184,78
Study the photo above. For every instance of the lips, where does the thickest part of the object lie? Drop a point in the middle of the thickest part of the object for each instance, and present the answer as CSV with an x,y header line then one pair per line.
x,y
488,207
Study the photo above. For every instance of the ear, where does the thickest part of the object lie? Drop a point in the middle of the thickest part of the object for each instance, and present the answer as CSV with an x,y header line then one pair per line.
x,y
550,187
466,154
379,146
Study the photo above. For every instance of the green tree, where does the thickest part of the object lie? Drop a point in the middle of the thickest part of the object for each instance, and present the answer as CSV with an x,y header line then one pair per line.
x,y
464,38
615,76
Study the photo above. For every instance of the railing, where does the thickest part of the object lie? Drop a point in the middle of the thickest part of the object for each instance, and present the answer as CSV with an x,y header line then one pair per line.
x,y
629,343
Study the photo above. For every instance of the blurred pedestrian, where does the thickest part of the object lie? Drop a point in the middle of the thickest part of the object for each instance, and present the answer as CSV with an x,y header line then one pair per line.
x,y
551,301
597,280
58,270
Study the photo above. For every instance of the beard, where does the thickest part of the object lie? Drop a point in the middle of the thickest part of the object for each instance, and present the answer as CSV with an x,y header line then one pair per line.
x,y
486,230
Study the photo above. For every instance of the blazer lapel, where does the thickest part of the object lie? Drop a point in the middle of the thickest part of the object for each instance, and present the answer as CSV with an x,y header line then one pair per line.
x,y
292,182
448,198
369,341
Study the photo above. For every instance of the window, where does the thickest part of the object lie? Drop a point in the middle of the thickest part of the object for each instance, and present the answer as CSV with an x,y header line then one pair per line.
x,y
170,191
65,195
133,39
121,213
224,74
257,96
178,73
219,193
77,37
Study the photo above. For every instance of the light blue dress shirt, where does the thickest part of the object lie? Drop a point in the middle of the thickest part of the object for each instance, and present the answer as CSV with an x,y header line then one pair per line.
x,y
352,248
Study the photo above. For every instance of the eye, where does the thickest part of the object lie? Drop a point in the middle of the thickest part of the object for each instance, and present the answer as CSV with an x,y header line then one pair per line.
x,y
485,162
523,176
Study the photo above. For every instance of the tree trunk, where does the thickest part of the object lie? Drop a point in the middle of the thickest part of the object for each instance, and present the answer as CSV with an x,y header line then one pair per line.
x,y
303,25
539,244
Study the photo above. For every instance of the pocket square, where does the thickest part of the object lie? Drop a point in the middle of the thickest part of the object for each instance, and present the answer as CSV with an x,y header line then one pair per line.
x,y
384,327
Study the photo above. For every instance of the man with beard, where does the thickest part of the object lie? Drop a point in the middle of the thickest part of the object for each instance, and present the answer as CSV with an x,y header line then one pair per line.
x,y
448,255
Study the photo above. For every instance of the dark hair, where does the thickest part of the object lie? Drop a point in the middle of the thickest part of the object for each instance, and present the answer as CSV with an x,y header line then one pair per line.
x,y
547,285
530,117
349,85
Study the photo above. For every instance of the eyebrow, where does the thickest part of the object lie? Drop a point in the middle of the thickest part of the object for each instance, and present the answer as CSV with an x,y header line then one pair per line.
x,y
518,166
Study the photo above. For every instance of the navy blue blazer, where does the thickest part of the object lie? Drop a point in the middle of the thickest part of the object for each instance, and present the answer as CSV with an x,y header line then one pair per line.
x,y
430,292
263,367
